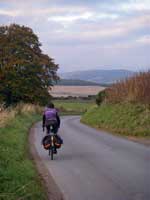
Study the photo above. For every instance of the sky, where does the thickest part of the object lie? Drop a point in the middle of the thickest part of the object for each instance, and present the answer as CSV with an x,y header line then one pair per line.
x,y
87,34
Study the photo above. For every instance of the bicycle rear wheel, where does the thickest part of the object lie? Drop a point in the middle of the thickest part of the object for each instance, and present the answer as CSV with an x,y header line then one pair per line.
x,y
52,154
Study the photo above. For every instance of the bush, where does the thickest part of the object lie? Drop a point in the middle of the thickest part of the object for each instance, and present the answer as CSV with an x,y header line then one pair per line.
x,y
100,97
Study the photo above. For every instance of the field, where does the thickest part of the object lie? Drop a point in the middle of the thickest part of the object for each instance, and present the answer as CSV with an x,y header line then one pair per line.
x,y
72,107
75,91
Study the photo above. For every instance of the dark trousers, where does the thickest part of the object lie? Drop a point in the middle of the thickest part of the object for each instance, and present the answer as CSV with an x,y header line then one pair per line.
x,y
52,128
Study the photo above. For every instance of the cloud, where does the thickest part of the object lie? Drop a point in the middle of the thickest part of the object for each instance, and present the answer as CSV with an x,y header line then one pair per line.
x,y
63,7
136,5
9,13
95,33
71,18
98,57
85,29
145,40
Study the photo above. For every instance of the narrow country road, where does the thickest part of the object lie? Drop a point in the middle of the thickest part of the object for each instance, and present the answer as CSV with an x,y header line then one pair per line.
x,y
94,165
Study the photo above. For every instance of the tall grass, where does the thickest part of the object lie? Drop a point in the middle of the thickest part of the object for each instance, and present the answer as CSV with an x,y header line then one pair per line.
x,y
135,89
6,115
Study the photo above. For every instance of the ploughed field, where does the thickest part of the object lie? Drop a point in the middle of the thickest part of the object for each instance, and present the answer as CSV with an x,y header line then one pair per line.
x,y
75,91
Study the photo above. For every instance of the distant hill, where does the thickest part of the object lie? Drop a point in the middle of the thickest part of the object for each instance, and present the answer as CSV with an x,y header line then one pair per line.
x,y
98,76
72,82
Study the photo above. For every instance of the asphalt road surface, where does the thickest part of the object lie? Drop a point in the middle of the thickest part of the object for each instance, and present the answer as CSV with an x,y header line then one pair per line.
x,y
95,165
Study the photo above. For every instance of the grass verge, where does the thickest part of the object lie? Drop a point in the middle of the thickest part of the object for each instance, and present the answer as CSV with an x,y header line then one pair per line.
x,y
18,176
124,119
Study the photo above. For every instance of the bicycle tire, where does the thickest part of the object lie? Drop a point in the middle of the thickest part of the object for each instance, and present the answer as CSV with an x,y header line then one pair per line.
x,y
52,154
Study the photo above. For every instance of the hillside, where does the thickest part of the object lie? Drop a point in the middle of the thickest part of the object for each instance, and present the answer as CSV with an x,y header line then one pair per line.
x,y
98,76
74,82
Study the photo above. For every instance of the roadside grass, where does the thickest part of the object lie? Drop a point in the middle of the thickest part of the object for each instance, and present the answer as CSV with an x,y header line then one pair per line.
x,y
19,178
125,119
74,107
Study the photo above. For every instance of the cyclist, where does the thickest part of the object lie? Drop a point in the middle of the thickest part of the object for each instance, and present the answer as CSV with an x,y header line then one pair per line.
x,y
51,119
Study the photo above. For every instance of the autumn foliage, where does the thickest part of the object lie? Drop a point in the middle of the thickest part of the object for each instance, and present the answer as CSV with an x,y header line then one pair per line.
x,y
25,72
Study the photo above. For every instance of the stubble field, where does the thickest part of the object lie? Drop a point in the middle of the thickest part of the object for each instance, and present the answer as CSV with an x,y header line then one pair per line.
x,y
75,91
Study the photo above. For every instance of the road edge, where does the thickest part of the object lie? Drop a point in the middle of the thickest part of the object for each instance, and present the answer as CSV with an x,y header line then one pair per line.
x,y
139,140
52,190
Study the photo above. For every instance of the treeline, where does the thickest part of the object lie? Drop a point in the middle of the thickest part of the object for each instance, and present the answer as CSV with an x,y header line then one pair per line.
x,y
135,89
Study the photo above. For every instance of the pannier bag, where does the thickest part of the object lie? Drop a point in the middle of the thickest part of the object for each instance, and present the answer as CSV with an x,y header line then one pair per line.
x,y
46,141
58,141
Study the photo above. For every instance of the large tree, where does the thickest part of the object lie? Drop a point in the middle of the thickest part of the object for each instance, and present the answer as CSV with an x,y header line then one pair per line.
x,y
25,72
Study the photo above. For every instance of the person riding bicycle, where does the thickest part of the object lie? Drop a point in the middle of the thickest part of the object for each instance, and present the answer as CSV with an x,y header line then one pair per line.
x,y
51,119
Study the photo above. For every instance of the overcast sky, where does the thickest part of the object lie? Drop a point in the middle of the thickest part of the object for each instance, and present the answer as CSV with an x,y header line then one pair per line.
x,y
87,34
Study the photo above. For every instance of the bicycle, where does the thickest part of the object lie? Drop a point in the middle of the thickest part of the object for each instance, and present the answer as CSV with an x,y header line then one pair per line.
x,y
50,143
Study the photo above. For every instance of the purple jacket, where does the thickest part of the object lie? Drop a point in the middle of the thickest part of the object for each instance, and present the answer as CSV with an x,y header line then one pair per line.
x,y
51,114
